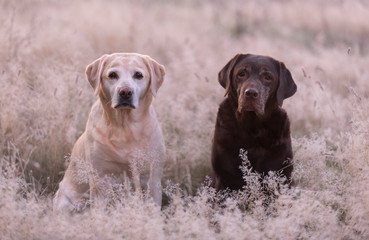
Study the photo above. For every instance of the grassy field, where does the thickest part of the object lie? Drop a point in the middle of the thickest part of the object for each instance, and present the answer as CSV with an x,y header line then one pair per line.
x,y
45,100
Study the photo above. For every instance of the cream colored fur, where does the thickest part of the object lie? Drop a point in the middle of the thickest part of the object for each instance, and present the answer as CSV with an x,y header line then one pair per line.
x,y
118,142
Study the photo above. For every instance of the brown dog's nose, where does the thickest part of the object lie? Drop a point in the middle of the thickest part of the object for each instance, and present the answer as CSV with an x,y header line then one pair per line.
x,y
125,93
252,93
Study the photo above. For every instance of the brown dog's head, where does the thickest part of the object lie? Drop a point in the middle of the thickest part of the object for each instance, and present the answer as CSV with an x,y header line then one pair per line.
x,y
122,80
256,82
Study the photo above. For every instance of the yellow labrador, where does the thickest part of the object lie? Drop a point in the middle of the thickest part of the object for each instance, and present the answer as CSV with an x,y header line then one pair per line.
x,y
122,136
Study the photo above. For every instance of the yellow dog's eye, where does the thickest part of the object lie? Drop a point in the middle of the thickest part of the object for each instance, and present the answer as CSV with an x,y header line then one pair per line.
x,y
138,75
113,75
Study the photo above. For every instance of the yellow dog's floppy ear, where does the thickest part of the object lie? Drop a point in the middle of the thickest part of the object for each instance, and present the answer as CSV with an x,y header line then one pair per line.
x,y
94,71
157,73
224,76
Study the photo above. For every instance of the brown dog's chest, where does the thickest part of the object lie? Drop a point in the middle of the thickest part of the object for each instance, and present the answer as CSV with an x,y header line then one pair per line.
x,y
263,141
258,138
258,143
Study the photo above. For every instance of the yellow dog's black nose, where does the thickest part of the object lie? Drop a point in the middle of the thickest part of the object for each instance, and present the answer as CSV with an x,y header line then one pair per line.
x,y
125,93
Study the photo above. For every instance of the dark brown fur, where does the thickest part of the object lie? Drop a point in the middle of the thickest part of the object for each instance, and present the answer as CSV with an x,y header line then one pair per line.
x,y
244,120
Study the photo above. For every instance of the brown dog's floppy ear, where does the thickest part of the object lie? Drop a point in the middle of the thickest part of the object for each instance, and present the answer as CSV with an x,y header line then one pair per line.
x,y
94,71
157,72
224,76
287,86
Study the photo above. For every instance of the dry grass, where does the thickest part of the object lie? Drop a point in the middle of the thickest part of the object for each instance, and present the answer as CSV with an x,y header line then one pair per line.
x,y
45,99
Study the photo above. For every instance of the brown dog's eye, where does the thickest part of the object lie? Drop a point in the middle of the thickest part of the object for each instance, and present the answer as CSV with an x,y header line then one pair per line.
x,y
138,75
267,77
113,75
242,73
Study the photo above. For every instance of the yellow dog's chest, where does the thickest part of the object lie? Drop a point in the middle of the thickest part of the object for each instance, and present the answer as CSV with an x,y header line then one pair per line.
x,y
117,153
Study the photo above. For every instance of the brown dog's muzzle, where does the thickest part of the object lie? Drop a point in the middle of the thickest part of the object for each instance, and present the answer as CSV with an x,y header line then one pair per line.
x,y
252,98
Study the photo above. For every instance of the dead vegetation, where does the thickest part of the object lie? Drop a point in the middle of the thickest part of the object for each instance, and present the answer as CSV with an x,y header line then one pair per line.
x,y
45,99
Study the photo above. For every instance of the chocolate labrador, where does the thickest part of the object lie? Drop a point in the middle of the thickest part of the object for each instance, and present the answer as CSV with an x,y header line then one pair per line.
x,y
251,118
